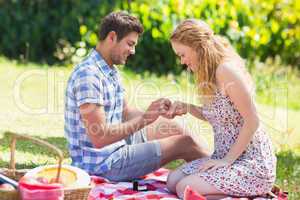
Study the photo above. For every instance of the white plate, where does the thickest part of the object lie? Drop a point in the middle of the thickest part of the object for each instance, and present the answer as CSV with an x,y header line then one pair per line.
x,y
83,178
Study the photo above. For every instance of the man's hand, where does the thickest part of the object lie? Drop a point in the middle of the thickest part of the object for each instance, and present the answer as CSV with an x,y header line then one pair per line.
x,y
156,108
177,108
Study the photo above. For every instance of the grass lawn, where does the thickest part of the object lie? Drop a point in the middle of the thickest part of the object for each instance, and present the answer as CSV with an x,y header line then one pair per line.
x,y
32,102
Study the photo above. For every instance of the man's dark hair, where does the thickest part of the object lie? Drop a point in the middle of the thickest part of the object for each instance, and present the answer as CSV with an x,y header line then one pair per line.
x,y
120,22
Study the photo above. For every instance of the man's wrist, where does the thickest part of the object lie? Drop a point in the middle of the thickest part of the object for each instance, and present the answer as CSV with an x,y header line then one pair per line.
x,y
143,121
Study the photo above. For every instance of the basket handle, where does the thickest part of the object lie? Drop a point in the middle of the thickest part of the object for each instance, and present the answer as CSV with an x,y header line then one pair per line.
x,y
16,136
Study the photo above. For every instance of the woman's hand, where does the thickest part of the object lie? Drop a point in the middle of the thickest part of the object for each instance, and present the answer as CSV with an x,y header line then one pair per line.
x,y
177,108
213,164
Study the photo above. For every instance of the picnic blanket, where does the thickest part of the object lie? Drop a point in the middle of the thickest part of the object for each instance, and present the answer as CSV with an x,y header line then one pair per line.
x,y
156,189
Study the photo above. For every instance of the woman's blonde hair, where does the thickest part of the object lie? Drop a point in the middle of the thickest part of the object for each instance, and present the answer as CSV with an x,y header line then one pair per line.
x,y
211,49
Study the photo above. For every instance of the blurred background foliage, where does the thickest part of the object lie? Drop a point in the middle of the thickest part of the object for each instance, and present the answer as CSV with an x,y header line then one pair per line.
x,y
63,31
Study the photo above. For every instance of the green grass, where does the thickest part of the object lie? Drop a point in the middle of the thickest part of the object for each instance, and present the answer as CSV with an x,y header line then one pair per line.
x,y
288,173
277,84
32,102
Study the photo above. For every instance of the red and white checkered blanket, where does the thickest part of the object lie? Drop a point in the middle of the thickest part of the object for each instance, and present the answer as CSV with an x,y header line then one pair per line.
x,y
156,189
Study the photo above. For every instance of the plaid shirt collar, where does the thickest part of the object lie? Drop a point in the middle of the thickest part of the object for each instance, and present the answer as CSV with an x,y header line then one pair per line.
x,y
103,66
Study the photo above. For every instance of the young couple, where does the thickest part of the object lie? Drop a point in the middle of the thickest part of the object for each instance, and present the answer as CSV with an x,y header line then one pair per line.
x,y
109,138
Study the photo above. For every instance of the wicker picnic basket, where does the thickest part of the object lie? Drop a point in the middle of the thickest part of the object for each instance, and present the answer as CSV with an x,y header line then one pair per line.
x,y
78,193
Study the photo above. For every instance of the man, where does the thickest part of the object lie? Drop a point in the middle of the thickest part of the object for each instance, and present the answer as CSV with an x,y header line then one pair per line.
x,y
107,137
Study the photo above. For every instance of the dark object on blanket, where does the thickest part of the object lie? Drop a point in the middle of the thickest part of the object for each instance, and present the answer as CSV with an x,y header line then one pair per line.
x,y
137,187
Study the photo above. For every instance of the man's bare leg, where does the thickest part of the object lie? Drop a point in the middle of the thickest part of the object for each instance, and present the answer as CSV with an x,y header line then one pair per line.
x,y
165,128
180,147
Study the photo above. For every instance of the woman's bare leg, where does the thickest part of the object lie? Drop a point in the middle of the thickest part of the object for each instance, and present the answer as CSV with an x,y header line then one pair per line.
x,y
173,178
197,184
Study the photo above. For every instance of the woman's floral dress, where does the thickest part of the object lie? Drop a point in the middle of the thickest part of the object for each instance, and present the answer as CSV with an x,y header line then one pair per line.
x,y
254,172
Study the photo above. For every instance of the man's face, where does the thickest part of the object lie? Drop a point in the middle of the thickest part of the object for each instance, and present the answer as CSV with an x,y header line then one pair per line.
x,y
124,48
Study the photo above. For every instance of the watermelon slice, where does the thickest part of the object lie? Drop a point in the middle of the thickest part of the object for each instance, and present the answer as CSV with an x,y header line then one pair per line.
x,y
190,194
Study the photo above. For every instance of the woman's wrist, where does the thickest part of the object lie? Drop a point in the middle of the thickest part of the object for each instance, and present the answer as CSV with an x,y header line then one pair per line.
x,y
201,110
228,159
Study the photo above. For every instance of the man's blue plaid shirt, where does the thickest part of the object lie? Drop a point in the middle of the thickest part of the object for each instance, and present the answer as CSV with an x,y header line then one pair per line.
x,y
92,81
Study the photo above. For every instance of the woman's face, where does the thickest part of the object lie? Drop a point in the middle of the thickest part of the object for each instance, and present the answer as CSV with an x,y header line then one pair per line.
x,y
187,55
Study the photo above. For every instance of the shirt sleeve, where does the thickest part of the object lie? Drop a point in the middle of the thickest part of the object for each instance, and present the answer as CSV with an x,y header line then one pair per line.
x,y
88,89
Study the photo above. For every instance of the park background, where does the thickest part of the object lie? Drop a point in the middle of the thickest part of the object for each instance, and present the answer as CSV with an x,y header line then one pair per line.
x,y
42,40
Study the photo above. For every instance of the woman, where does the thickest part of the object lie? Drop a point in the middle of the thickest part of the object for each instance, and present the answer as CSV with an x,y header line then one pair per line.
x,y
243,163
